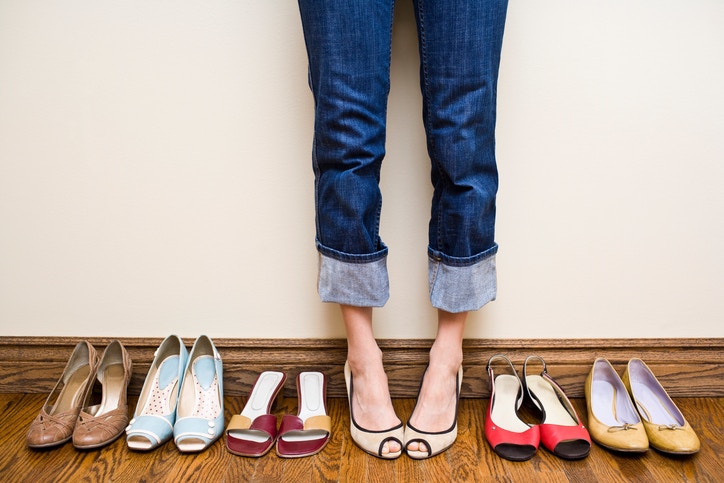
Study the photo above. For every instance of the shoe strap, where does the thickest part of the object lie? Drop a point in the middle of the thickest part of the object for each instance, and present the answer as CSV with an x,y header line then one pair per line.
x,y
266,423
513,372
556,387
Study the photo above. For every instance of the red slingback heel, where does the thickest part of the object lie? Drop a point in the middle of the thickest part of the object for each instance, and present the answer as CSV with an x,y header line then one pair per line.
x,y
509,436
561,430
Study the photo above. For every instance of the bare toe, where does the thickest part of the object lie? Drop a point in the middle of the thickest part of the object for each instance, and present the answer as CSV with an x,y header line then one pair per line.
x,y
416,446
393,446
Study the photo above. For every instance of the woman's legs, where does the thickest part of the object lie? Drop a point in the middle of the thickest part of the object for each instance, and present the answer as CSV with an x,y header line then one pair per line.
x,y
372,405
460,45
348,45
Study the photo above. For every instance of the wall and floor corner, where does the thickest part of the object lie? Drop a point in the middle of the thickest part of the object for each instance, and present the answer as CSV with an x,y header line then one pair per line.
x,y
155,174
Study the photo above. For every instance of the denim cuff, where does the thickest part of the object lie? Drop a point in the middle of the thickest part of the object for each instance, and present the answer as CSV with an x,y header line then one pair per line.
x,y
361,284
461,288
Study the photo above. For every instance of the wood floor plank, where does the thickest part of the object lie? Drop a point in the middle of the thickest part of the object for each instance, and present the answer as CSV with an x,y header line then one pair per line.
x,y
465,463
470,459
405,469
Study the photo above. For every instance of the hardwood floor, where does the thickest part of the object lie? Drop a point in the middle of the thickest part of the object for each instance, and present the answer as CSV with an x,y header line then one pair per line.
x,y
470,459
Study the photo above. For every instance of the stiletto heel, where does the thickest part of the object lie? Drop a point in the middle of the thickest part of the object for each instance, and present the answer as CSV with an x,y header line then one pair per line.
x,y
55,423
509,436
435,442
101,424
561,430
371,441
253,432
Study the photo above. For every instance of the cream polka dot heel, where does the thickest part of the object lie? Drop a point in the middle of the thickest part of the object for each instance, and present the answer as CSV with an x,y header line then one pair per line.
x,y
155,415
200,412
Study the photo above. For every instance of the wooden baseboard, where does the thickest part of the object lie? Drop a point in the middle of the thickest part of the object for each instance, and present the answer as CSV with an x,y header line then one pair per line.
x,y
685,367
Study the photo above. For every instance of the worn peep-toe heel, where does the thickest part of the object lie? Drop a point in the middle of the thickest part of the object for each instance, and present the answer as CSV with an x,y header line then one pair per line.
x,y
368,440
435,442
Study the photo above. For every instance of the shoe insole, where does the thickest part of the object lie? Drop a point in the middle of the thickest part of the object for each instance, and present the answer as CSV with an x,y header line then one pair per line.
x,y
611,405
555,412
259,403
72,391
653,408
159,397
113,379
262,393
503,412
311,403
201,399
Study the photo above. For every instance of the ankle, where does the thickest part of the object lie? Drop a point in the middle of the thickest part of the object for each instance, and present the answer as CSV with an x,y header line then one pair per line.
x,y
448,358
365,360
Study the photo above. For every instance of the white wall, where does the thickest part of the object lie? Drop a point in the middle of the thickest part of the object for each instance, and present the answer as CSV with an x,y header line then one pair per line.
x,y
155,173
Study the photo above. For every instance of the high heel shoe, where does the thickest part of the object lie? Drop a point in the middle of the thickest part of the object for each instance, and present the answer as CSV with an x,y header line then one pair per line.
x,y
102,423
55,423
253,432
200,411
368,440
155,415
612,419
561,430
665,426
308,432
435,442
508,435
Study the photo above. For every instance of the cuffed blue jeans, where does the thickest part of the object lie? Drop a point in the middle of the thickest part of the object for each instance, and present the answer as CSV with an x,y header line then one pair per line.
x,y
348,45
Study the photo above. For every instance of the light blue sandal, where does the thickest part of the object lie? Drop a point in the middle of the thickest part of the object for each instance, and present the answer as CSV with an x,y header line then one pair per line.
x,y
200,413
155,415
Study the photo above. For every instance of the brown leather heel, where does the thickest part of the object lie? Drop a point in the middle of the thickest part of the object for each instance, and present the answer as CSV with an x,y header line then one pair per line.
x,y
55,422
100,424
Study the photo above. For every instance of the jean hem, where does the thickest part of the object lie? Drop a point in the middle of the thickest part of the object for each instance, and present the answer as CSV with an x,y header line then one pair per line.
x,y
352,257
439,256
462,288
353,283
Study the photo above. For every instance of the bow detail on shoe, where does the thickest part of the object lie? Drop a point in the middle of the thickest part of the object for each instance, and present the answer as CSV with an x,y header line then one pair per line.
x,y
624,427
671,427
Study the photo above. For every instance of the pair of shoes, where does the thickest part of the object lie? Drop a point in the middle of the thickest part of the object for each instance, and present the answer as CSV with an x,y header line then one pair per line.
x,y
435,442
253,432
68,412
368,440
629,415
182,397
559,429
